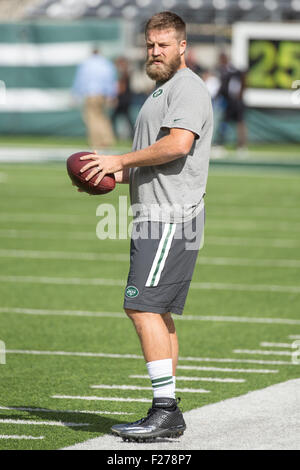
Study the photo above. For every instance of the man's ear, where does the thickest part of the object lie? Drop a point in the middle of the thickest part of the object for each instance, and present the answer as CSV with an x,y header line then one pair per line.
x,y
182,46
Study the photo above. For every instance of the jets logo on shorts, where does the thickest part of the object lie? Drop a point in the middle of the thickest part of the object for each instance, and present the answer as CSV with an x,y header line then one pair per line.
x,y
157,93
131,292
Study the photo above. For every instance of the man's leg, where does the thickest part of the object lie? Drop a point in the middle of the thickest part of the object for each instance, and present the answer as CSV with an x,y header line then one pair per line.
x,y
157,335
160,348
167,317
159,344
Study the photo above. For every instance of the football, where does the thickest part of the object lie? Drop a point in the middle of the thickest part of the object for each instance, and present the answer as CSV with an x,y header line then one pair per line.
x,y
74,165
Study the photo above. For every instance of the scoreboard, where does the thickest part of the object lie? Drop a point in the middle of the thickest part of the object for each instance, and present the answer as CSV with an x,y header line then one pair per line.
x,y
270,54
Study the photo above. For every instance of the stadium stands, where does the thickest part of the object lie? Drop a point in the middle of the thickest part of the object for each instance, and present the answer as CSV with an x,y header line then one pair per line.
x,y
200,11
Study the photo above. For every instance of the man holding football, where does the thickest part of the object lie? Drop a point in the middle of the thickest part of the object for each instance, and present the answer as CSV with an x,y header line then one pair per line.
x,y
167,173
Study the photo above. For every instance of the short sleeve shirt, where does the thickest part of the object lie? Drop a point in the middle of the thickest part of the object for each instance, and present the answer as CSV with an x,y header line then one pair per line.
x,y
173,192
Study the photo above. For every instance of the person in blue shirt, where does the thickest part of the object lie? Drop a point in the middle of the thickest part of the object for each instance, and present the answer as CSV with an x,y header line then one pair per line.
x,y
95,84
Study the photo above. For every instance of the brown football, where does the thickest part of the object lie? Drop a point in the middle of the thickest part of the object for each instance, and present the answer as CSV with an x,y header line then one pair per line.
x,y
74,165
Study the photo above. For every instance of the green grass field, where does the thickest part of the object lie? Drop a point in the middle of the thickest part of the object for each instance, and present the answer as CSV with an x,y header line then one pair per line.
x,y
240,320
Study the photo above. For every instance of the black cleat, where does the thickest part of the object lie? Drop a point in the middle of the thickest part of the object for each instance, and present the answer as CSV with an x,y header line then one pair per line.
x,y
164,419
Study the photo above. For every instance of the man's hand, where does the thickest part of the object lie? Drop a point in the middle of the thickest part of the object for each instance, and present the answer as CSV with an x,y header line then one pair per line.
x,y
102,164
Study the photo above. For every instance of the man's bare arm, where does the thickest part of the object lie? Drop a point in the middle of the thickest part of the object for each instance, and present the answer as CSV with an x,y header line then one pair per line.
x,y
174,145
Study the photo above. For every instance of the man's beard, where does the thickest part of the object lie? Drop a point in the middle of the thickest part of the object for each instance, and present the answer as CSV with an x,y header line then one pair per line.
x,y
162,73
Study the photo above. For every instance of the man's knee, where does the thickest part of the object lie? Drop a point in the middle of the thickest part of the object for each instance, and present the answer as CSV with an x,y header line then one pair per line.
x,y
132,314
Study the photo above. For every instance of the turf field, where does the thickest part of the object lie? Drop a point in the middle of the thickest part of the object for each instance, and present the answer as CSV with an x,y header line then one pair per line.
x,y
73,362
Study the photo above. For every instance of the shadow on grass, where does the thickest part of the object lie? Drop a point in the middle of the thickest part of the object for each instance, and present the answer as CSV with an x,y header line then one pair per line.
x,y
92,423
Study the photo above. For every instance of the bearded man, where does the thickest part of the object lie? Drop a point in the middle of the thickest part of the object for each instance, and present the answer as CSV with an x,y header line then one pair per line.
x,y
167,173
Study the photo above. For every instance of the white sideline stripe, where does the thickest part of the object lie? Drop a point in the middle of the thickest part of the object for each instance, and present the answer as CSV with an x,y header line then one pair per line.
x,y
259,351
260,419
62,281
194,379
280,263
135,356
36,99
65,255
73,255
265,344
294,336
225,369
119,282
42,423
245,287
286,321
137,387
276,243
210,240
75,313
262,211
54,54
92,398
247,225
13,436
49,235
45,410
84,313
214,223
67,353
46,218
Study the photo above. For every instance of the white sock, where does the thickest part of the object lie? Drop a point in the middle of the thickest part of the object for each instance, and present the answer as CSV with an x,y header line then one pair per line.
x,y
160,373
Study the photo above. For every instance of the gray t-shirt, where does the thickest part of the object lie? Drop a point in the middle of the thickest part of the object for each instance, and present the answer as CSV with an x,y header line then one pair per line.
x,y
173,192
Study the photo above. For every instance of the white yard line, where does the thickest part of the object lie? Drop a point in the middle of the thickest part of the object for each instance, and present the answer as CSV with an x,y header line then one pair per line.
x,y
247,262
241,319
194,379
260,351
75,313
266,344
213,222
63,255
210,239
13,436
245,287
294,336
249,225
119,282
68,353
135,356
82,256
48,235
62,280
94,398
45,410
242,241
185,317
227,369
41,423
63,219
137,387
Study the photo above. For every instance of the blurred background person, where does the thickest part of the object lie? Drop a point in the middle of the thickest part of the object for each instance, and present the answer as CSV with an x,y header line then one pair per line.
x,y
230,94
96,84
212,82
191,61
124,96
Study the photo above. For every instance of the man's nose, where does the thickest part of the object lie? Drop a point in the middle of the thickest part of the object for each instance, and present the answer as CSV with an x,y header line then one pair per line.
x,y
156,50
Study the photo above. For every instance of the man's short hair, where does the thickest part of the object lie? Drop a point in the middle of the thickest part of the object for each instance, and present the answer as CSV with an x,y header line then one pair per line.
x,y
167,20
